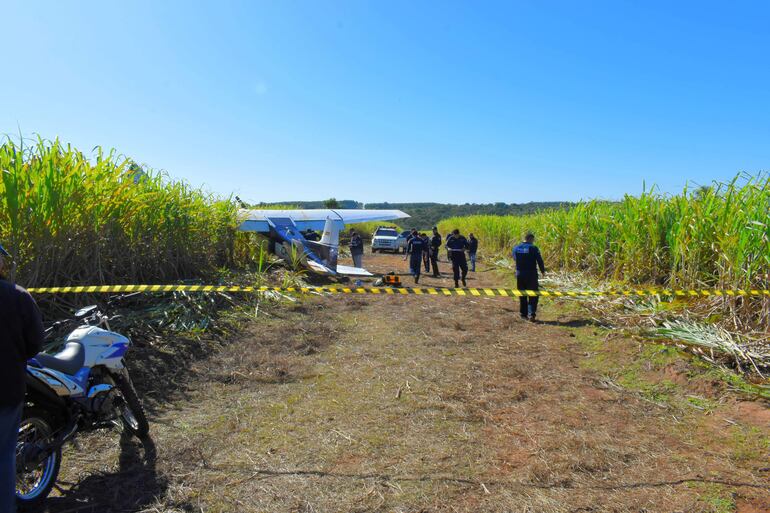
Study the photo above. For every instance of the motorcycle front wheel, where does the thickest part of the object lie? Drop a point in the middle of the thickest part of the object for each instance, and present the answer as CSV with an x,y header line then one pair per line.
x,y
34,482
131,412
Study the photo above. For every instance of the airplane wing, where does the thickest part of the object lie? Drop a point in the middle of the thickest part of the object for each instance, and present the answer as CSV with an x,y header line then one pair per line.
x,y
311,219
348,270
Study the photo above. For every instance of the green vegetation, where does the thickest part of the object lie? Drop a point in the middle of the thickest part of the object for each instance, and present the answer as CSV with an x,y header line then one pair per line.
x,y
310,204
424,216
70,219
717,498
717,236
367,229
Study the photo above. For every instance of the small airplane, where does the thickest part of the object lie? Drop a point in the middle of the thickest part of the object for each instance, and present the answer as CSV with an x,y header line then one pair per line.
x,y
286,231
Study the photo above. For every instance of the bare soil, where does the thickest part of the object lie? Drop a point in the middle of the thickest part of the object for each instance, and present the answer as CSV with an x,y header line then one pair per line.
x,y
427,404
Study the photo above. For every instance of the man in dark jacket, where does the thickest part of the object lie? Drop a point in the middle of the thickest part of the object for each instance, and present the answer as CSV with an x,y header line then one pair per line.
x,y
21,338
456,245
356,249
415,249
412,233
435,243
528,259
426,251
473,247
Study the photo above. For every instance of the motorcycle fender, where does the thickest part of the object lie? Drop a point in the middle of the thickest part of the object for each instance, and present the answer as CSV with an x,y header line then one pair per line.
x,y
39,392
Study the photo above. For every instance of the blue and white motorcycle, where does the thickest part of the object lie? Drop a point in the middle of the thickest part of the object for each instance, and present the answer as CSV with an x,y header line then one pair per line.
x,y
83,387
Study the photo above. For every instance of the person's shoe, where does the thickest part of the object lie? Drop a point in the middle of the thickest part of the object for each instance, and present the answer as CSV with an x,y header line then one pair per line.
x,y
457,285
464,284
532,318
417,279
524,317
437,276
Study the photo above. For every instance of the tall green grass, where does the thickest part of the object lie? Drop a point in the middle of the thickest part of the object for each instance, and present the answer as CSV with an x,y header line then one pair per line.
x,y
367,228
717,236
71,219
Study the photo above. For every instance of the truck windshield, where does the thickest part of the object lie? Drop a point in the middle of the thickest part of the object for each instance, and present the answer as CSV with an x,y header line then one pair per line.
x,y
387,233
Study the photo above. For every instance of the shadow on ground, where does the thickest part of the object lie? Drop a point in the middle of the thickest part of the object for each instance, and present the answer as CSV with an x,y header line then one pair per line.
x,y
133,486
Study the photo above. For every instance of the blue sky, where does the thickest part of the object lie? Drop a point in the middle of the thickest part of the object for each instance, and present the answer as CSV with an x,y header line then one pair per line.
x,y
400,101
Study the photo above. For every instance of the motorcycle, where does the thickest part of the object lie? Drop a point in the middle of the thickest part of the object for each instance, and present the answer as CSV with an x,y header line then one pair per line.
x,y
83,387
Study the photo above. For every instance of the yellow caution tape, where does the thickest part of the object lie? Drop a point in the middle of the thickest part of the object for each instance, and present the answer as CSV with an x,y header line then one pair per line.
x,y
403,290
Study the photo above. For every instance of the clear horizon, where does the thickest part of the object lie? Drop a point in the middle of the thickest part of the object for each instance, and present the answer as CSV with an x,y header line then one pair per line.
x,y
449,103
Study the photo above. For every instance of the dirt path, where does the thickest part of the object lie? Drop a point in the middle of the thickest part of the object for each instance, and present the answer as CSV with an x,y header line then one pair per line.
x,y
433,404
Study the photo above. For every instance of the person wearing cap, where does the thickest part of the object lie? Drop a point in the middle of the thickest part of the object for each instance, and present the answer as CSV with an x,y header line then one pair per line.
x,y
356,249
435,243
456,245
21,338
415,250
528,259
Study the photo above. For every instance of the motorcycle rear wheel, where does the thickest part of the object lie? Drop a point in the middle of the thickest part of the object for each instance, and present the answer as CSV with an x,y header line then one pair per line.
x,y
33,486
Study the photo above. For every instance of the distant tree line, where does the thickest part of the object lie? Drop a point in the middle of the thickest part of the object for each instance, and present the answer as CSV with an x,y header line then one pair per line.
x,y
426,215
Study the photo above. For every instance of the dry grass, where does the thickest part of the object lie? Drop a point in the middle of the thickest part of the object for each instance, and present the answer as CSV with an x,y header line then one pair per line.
x,y
429,404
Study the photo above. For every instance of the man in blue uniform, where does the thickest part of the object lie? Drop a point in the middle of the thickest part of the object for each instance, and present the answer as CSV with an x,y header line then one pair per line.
x,y
456,245
21,337
415,249
435,243
528,259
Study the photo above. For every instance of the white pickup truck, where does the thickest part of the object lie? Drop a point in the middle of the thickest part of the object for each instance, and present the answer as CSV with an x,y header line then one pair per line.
x,y
385,238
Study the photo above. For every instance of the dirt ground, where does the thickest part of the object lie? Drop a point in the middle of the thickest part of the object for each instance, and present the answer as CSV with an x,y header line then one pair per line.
x,y
428,404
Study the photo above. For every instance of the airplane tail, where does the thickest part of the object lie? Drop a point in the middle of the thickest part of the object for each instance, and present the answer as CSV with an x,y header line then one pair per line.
x,y
328,247
332,229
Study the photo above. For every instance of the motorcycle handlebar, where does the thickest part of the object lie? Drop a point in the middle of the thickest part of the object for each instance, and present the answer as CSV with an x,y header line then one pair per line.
x,y
95,318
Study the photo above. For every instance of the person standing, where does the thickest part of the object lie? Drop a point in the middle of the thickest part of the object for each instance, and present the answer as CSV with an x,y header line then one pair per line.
x,y
21,338
415,249
435,243
456,245
473,247
528,259
356,249
426,252
409,237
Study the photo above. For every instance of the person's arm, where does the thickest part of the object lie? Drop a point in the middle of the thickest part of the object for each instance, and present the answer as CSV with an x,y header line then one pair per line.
x,y
32,325
539,260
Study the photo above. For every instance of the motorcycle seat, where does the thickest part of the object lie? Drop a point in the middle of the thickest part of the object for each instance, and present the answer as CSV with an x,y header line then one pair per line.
x,y
69,360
